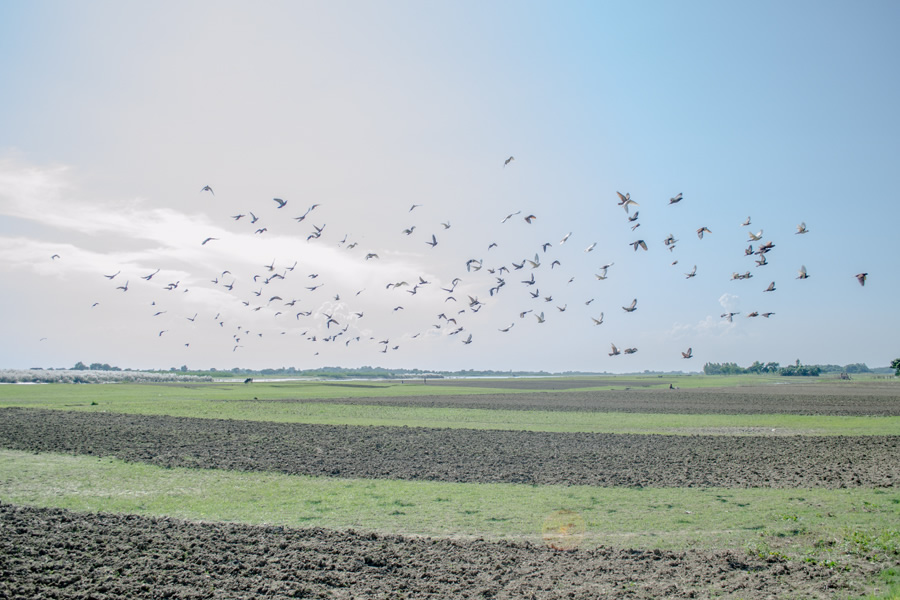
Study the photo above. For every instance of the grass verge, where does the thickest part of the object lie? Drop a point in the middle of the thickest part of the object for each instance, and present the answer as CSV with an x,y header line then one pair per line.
x,y
808,524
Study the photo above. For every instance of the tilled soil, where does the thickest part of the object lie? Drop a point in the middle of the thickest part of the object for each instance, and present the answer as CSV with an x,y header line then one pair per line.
x,y
52,553
462,455
874,399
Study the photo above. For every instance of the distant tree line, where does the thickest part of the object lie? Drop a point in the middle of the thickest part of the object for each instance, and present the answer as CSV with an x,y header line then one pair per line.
x,y
788,371
80,366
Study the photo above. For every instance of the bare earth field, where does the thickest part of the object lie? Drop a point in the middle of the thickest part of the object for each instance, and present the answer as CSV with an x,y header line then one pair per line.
x,y
53,553
461,455
868,399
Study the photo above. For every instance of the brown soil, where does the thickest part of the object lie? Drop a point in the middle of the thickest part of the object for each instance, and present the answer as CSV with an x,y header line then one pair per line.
x,y
462,455
51,553
875,399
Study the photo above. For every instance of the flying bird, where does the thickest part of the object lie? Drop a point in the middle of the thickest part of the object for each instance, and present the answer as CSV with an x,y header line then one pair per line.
x,y
631,307
509,160
746,222
688,354
206,188
692,273
771,287
675,199
755,237
615,351
510,216
598,321
280,202
625,201
801,228
209,239
433,241
861,278
703,230
637,243
802,272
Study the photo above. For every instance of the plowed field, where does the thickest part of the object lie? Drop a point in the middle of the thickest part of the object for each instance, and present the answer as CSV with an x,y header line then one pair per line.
x,y
53,553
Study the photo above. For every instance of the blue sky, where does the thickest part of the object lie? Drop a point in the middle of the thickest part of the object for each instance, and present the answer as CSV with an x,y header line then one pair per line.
x,y
115,115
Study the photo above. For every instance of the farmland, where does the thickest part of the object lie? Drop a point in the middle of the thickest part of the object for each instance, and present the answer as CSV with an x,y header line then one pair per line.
x,y
581,487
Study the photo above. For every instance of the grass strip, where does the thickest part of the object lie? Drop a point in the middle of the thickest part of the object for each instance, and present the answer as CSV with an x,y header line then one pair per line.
x,y
465,418
812,524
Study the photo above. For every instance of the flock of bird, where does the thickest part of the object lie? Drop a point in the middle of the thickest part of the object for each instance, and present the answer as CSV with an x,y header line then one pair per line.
x,y
289,293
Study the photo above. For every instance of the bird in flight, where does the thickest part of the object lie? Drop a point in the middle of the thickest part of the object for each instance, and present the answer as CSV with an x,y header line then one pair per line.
x,y
413,206
861,278
746,222
206,188
631,307
615,351
703,230
771,287
530,218
280,202
113,275
209,239
54,257
692,273
510,216
625,201
676,199
637,243
688,354
802,272
755,237
801,228
433,241
509,160
598,321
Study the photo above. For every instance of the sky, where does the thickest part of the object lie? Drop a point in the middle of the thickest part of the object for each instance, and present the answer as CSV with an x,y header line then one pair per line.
x,y
400,136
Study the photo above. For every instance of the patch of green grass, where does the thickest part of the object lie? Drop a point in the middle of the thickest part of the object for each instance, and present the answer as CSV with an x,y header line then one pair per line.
x,y
886,586
227,401
824,524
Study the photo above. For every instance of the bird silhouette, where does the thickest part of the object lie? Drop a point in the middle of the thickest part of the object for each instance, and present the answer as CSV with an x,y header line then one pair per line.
x,y
861,278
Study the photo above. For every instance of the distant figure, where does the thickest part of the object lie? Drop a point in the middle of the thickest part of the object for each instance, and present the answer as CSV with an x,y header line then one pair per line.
x,y
248,380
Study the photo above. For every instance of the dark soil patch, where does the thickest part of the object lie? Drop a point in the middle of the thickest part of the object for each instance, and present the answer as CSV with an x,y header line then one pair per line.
x,y
461,455
797,399
52,553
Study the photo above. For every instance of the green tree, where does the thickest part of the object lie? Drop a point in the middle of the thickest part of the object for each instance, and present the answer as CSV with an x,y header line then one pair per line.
x,y
895,364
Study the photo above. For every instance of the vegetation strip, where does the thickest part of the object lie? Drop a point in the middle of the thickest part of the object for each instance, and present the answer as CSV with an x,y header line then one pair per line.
x,y
461,455
761,520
